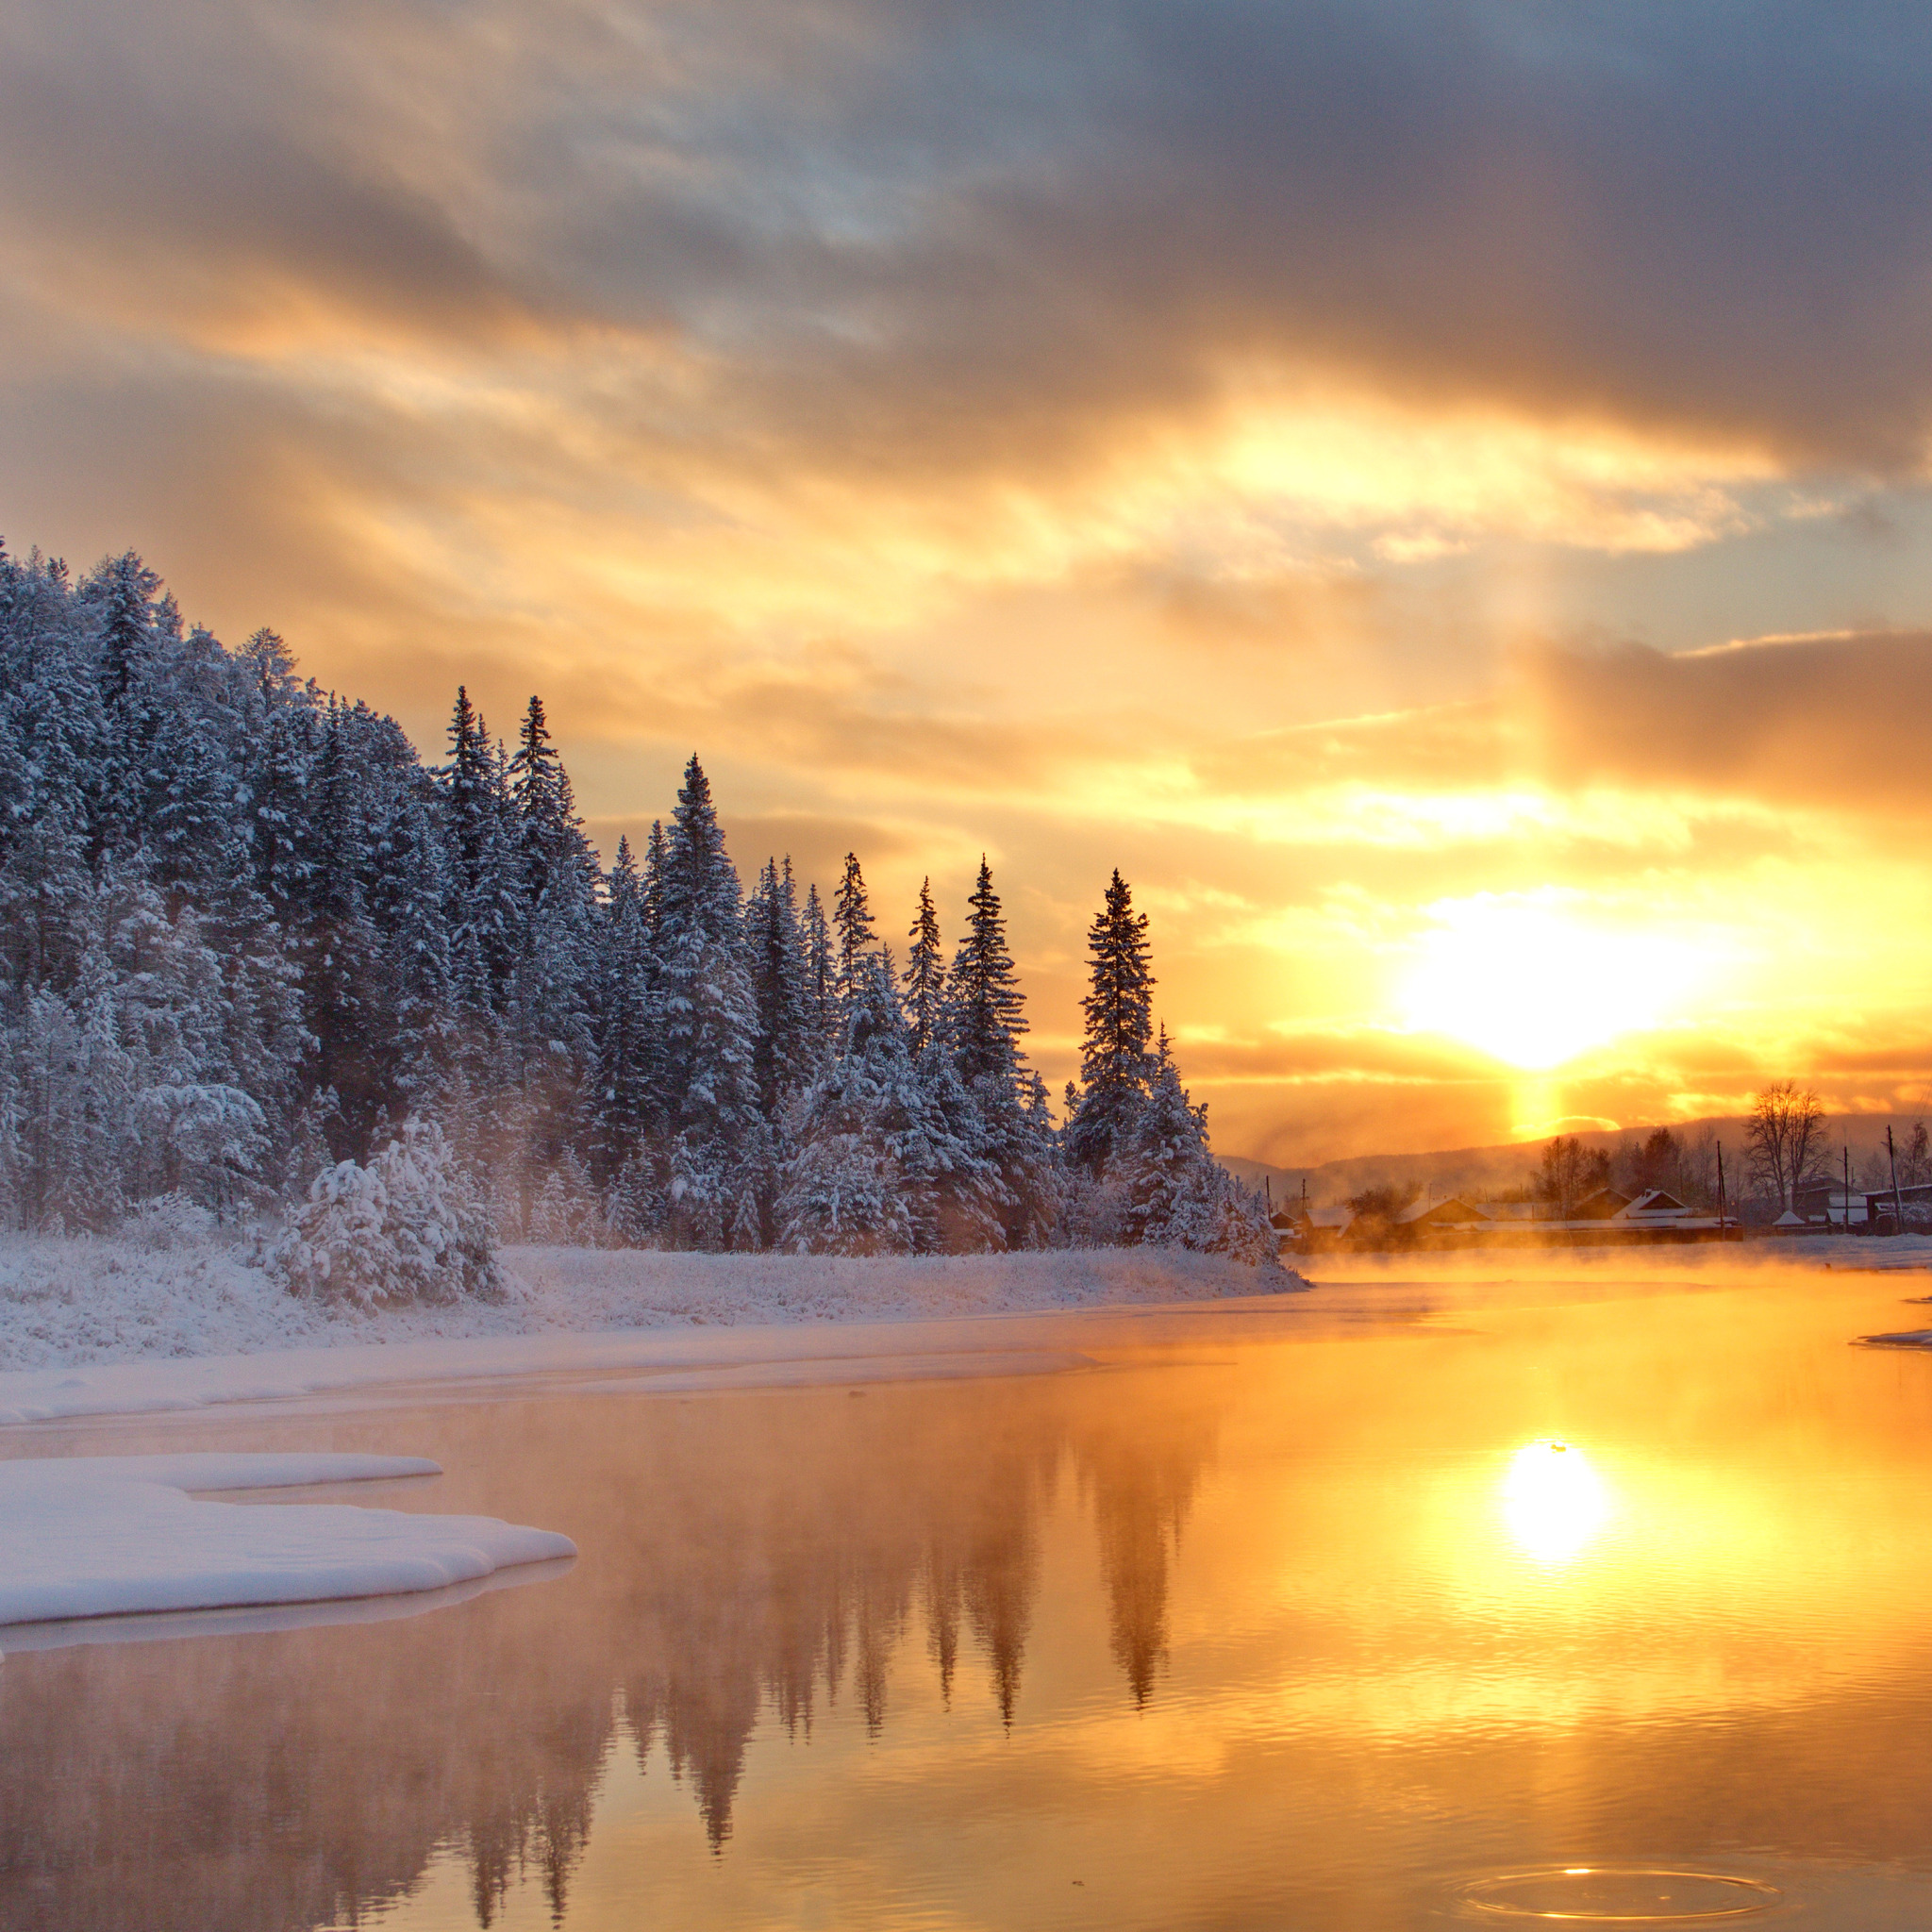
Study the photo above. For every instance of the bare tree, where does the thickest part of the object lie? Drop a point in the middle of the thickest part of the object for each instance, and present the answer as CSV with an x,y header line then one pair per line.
x,y
1699,1170
1570,1170
1786,1139
1915,1157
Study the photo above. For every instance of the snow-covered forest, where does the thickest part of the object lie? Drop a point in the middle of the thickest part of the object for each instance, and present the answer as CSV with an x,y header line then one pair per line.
x,y
254,951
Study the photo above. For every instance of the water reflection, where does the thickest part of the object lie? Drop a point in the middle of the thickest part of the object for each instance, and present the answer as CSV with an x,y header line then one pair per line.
x,y
1553,1501
749,1559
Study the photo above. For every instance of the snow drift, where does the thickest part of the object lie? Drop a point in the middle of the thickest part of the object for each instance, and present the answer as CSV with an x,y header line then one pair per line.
x,y
119,1535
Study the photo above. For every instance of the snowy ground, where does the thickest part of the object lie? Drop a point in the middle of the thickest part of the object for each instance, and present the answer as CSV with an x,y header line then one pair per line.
x,y
117,1536
80,1303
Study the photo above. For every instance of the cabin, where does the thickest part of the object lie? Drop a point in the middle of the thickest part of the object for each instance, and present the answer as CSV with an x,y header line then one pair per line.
x,y
1605,1204
1453,1216
1607,1215
1654,1207
1882,1211
1299,1229
1826,1205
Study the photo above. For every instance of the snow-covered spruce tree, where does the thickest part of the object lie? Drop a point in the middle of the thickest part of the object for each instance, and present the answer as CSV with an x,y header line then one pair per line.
x,y
626,1101
483,918
1118,1009
926,974
984,1017
853,940
821,973
710,1023
404,1229
788,1051
874,1153
1175,1193
786,1057
552,985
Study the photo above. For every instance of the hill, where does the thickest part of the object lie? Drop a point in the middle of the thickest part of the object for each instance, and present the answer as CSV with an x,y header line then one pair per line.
x,y
1488,1171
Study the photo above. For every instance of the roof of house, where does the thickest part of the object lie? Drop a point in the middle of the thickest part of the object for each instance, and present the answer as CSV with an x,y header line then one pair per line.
x,y
1454,1213
1653,1201
1600,1206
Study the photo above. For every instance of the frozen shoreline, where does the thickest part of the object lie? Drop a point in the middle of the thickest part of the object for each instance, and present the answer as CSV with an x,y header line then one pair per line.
x,y
122,1535
106,1327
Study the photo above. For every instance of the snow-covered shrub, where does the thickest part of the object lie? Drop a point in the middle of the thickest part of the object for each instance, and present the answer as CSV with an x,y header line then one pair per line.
x,y
406,1228
566,1214
166,1222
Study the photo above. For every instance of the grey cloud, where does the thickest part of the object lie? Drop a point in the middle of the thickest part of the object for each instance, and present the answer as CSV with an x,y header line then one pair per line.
x,y
910,238
1835,722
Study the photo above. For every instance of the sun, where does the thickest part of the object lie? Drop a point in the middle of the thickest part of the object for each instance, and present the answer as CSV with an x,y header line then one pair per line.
x,y
1530,984
1553,1501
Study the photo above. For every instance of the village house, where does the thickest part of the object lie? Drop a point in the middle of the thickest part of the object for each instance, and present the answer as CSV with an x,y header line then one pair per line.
x,y
1608,1215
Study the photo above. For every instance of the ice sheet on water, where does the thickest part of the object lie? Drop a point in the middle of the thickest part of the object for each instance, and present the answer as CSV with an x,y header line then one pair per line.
x,y
115,1535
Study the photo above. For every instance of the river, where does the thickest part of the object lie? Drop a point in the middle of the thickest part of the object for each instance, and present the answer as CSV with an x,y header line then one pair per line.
x,y
1384,1611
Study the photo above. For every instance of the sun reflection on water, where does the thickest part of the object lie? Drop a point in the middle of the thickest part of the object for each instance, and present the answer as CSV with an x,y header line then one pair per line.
x,y
1553,1502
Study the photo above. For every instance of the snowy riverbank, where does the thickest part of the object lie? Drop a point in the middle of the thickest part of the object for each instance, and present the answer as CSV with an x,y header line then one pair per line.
x,y
75,1303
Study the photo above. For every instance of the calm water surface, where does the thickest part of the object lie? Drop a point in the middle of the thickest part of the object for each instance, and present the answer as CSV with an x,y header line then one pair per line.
x,y
1263,1621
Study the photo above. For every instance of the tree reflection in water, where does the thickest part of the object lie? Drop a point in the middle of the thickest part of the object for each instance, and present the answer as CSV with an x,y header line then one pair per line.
x,y
746,1559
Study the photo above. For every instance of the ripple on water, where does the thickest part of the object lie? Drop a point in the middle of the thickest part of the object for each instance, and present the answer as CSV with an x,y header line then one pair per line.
x,y
1618,1897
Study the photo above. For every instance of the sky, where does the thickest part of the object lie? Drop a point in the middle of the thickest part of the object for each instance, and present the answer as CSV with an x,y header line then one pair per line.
x,y
1436,495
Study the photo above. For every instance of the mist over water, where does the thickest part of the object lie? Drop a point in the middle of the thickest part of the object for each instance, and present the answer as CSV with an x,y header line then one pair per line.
x,y
1316,1619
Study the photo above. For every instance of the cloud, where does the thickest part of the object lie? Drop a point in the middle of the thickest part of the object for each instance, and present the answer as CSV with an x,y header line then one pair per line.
x,y
1831,721
906,242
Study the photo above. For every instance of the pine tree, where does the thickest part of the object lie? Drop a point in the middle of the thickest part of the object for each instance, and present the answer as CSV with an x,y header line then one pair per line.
x,y
1175,1194
926,974
710,1023
876,1165
626,1101
652,887
337,942
1114,1062
783,1057
482,911
124,590
820,975
852,925
551,989
986,1010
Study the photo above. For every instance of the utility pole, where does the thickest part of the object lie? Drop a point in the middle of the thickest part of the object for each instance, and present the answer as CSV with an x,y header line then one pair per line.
x,y
1898,1206
1848,1189
1719,1191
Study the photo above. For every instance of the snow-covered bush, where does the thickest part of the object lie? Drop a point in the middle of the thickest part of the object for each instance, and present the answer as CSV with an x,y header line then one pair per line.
x,y
165,1223
406,1228
565,1215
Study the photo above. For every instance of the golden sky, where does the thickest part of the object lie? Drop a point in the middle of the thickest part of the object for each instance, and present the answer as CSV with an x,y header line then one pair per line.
x,y
1436,495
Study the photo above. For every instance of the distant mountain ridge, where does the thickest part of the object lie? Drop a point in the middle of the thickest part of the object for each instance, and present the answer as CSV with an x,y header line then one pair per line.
x,y
1488,1171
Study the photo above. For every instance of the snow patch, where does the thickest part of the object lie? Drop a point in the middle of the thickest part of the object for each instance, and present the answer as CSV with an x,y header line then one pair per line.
x,y
116,1536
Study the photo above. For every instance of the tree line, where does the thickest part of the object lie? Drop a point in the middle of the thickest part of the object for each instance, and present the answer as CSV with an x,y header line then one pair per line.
x,y
247,934
1786,1150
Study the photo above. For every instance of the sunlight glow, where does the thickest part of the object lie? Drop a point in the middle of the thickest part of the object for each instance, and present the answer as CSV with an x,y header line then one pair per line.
x,y
1529,985
1553,1503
